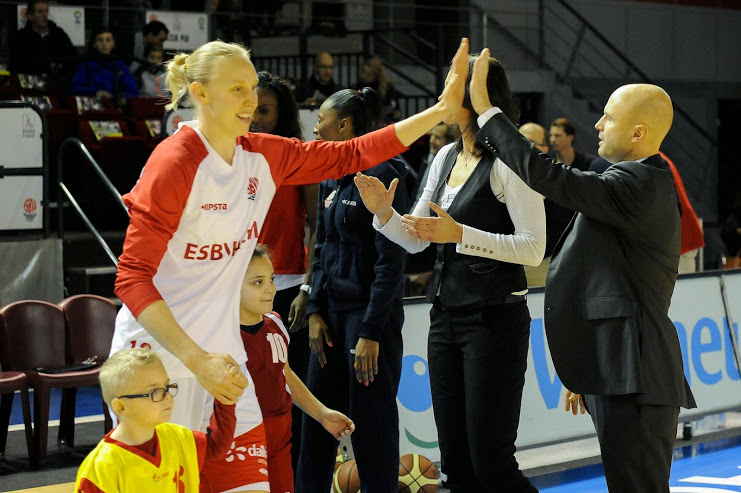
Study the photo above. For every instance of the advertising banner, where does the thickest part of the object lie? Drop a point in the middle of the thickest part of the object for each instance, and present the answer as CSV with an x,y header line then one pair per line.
x,y
188,30
21,128
702,328
21,202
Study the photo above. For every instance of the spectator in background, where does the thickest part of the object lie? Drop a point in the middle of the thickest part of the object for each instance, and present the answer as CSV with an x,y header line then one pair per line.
x,y
557,217
321,84
149,76
42,47
692,235
104,75
563,135
537,135
154,34
151,39
373,75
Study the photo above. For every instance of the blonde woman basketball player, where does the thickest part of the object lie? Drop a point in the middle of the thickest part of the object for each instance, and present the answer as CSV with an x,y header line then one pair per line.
x,y
195,215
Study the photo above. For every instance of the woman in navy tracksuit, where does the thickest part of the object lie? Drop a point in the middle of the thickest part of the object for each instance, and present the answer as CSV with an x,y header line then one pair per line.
x,y
355,313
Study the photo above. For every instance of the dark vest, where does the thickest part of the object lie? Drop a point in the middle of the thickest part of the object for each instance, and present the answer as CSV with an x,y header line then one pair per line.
x,y
466,279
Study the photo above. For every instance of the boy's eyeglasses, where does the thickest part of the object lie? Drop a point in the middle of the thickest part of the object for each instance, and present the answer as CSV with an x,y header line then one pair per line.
x,y
157,395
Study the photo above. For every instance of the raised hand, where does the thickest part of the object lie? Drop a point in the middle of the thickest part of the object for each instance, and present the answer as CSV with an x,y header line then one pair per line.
x,y
455,82
449,103
479,94
376,197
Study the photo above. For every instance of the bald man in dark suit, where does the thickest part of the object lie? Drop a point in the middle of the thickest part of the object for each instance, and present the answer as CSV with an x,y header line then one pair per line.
x,y
611,280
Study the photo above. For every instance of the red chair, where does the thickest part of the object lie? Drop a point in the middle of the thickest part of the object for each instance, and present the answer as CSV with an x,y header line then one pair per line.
x,y
87,135
35,330
61,125
142,129
107,107
122,160
90,321
10,381
146,108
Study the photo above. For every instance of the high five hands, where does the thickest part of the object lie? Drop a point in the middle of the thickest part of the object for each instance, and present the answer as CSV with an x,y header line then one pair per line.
x,y
454,91
378,199
477,89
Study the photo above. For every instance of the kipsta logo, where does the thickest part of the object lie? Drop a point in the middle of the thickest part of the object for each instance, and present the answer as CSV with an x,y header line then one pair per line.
x,y
29,209
252,188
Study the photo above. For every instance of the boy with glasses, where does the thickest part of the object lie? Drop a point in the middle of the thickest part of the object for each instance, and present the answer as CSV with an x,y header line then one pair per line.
x,y
145,452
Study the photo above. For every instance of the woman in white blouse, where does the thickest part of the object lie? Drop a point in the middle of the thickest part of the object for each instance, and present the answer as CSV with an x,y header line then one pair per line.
x,y
487,224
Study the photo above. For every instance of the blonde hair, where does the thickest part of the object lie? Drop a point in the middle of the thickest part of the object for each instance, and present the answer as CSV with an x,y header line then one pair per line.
x,y
185,69
376,64
119,370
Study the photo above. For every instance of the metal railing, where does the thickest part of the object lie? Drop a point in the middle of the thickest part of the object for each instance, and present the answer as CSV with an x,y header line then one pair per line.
x,y
294,68
64,192
559,39
585,52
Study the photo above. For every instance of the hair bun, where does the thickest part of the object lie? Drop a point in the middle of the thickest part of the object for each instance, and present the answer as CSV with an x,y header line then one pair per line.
x,y
180,59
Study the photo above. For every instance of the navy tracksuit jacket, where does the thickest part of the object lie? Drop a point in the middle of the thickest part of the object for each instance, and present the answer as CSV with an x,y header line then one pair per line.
x,y
357,287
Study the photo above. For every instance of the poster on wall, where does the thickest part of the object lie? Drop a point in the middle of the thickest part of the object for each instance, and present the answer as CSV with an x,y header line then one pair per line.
x,y
21,202
188,30
22,145
70,18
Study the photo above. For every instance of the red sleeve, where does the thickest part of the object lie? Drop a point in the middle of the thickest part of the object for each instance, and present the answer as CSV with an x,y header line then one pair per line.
x,y
217,441
201,447
87,486
155,207
293,162
692,235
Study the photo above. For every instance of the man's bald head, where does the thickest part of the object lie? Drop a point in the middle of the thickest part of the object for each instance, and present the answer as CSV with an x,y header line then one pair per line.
x,y
535,134
324,67
636,119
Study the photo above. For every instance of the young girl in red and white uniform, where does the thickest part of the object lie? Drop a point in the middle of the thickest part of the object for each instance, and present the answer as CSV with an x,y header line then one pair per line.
x,y
266,340
195,215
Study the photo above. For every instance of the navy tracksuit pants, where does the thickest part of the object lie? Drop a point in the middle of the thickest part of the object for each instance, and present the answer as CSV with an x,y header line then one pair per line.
x,y
373,408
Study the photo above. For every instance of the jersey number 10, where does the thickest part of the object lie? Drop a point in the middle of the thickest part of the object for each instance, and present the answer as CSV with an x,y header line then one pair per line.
x,y
278,346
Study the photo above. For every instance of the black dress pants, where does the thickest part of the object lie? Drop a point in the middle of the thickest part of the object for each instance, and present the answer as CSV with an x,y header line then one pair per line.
x,y
375,441
636,442
477,359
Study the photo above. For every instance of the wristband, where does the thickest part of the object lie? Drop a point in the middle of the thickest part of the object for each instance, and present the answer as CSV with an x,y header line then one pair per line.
x,y
306,288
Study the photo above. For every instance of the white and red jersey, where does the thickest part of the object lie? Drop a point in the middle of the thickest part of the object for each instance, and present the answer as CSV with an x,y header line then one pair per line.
x,y
268,350
194,222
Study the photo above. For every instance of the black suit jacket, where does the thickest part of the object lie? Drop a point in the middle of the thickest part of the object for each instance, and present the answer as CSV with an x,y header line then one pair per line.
x,y
612,274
